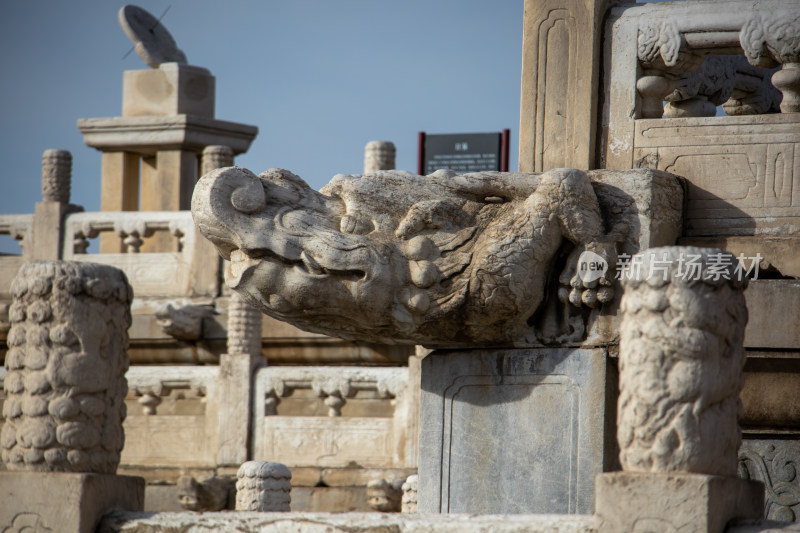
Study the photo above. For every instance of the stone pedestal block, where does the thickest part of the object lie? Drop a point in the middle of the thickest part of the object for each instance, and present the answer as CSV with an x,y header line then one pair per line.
x,y
674,503
511,431
171,89
51,502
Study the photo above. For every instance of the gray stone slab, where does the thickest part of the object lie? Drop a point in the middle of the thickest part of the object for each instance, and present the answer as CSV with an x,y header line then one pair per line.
x,y
61,501
511,431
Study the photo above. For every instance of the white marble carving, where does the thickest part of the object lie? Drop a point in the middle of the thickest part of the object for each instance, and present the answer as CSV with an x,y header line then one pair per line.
x,y
409,500
56,175
66,368
677,38
187,270
379,155
398,258
681,361
384,496
263,486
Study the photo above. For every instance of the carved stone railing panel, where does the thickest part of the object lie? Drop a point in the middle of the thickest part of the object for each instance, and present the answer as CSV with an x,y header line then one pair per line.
x,y
19,227
776,463
172,416
184,272
379,440
742,170
678,36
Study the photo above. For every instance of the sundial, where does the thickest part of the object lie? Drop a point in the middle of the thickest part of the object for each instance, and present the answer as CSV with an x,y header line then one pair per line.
x,y
153,43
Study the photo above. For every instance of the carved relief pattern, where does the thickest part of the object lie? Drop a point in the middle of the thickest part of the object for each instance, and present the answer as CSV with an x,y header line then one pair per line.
x,y
56,175
335,385
263,486
66,368
394,257
379,155
771,36
244,327
409,501
777,465
681,361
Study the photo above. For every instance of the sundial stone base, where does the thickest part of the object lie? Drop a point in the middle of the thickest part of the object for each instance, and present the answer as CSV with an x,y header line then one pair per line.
x,y
512,431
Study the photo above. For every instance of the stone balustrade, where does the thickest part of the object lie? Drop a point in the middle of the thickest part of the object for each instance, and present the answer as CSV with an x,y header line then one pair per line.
x,y
331,416
184,271
334,384
674,39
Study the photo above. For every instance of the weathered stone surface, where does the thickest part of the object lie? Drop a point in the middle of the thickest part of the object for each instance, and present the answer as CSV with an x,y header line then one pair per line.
x,y
384,496
343,437
760,526
515,431
394,257
126,522
56,176
263,486
560,78
756,156
674,503
775,463
170,89
66,368
409,500
213,494
215,156
58,501
152,42
681,360
379,155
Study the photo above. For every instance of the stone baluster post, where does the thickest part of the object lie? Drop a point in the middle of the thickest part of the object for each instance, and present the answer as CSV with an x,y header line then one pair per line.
x,y
263,486
236,375
65,389
681,370
47,235
379,155
215,156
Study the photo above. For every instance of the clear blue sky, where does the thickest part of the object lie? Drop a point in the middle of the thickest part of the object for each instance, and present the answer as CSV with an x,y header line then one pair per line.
x,y
319,78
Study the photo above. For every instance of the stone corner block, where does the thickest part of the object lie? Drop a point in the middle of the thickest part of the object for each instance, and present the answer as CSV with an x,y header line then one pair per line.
x,y
58,501
675,502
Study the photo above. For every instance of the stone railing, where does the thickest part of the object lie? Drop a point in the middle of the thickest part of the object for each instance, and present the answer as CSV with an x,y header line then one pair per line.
x,y
19,228
697,56
669,40
317,415
191,270
171,416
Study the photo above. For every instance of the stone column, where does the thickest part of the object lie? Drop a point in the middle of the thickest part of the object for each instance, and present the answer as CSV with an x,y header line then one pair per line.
x,y
215,157
65,396
379,155
263,486
236,373
681,365
561,56
49,213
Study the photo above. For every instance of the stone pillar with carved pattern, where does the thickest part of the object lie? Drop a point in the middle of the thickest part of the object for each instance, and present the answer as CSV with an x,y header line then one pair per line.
x,y
681,366
65,387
